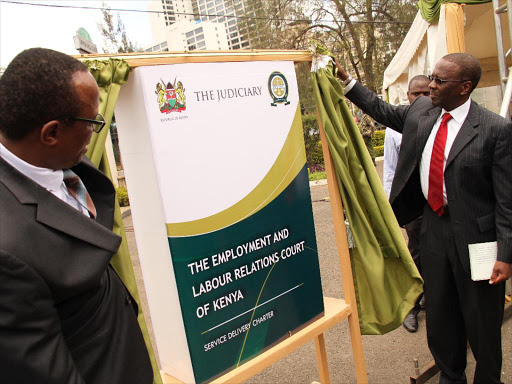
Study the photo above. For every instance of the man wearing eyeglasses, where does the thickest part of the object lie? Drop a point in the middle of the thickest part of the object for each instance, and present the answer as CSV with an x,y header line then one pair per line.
x,y
455,168
65,316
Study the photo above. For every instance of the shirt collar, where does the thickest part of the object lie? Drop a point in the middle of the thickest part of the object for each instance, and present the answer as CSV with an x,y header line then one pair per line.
x,y
47,178
460,113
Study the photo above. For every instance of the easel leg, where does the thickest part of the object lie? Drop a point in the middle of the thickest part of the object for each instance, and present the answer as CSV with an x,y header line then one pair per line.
x,y
344,256
321,358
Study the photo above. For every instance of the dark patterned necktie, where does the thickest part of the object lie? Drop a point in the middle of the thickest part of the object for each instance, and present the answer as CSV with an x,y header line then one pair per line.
x,y
435,176
77,189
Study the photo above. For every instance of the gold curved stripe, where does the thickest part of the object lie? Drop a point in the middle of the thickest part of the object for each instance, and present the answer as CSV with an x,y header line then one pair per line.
x,y
288,164
252,316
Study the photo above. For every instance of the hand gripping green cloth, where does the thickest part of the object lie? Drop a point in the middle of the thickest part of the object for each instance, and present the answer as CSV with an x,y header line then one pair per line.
x,y
387,282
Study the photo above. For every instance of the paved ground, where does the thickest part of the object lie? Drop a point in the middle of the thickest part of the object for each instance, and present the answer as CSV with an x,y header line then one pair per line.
x,y
389,358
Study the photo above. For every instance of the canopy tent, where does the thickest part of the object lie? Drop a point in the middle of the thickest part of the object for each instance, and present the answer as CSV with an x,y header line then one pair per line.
x,y
456,27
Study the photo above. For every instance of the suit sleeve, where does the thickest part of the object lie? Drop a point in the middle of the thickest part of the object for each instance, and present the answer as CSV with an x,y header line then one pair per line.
x,y
32,347
502,185
389,115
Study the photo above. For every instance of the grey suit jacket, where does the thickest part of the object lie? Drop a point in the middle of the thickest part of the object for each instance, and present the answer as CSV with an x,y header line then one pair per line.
x,y
478,173
65,316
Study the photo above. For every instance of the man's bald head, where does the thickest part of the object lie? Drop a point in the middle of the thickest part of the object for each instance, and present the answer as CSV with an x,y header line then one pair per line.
x,y
470,68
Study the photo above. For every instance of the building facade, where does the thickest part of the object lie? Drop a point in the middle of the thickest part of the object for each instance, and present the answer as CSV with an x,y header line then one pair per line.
x,y
222,21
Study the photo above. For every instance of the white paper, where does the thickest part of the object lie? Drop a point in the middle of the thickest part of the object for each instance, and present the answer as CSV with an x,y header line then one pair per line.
x,y
482,257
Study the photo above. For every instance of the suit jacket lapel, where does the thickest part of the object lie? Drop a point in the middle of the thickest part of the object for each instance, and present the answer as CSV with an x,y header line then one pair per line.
x,y
466,133
425,126
55,213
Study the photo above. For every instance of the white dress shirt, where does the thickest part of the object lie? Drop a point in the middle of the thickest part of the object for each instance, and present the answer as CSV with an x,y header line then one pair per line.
x,y
50,179
392,141
459,114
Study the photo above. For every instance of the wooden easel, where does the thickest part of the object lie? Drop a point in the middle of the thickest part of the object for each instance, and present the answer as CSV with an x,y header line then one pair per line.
x,y
336,310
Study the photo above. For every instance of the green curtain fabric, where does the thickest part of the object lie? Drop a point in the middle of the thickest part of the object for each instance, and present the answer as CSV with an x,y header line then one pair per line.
x,y
110,75
430,9
386,280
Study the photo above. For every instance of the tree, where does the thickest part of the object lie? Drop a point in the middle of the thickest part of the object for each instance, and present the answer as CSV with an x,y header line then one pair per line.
x,y
362,34
114,34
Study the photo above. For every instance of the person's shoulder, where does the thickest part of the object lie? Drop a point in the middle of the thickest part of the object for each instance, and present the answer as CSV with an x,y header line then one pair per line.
x,y
488,117
422,102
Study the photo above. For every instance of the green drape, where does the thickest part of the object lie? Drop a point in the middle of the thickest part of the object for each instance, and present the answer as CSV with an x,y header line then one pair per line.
x,y
386,280
110,75
430,9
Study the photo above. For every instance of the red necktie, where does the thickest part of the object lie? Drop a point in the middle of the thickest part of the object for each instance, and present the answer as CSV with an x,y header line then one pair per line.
x,y
435,176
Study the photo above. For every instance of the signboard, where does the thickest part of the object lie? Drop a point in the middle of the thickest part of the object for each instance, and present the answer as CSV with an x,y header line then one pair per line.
x,y
83,42
228,163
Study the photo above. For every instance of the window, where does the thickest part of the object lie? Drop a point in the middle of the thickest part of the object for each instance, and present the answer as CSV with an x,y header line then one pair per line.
x,y
198,30
192,47
199,37
189,34
232,22
201,44
232,29
245,44
235,41
235,47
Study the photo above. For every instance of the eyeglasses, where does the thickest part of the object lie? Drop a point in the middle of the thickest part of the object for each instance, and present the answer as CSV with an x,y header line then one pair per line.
x,y
440,81
97,123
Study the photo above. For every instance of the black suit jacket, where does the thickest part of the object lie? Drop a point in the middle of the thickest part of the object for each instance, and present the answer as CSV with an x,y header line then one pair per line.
x,y
65,316
478,173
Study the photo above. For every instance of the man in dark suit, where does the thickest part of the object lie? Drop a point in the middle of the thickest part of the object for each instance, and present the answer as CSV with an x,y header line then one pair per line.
x,y
65,316
456,169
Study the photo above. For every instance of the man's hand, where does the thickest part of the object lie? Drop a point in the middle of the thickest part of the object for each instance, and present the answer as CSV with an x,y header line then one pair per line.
x,y
501,272
342,74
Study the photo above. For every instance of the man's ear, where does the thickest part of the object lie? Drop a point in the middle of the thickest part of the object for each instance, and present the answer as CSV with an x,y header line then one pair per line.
x,y
466,88
50,133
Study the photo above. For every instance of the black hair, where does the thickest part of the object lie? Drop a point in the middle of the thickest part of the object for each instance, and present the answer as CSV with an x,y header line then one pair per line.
x,y
37,87
469,65
419,78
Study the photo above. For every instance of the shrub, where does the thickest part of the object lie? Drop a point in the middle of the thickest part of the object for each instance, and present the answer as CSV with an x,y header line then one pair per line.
x,y
122,196
317,176
378,139
317,155
312,168
314,153
379,150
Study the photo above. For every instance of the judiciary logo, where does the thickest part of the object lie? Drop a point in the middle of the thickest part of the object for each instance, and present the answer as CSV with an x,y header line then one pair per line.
x,y
278,88
171,97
